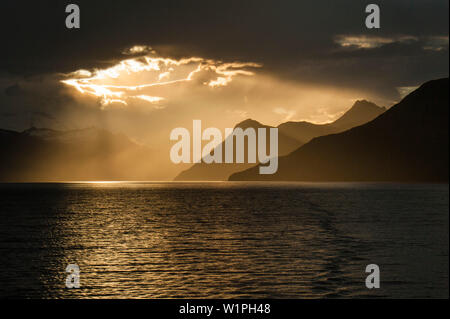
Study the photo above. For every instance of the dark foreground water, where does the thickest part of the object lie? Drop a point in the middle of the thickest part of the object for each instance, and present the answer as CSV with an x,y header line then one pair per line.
x,y
223,240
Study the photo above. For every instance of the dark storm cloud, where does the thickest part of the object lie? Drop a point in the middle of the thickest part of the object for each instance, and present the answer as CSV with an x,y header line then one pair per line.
x,y
13,90
31,99
293,39
7,114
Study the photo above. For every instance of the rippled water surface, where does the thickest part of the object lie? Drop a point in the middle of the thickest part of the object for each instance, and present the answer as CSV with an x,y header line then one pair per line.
x,y
223,240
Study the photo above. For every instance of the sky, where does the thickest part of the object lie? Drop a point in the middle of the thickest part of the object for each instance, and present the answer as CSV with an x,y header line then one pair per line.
x,y
143,68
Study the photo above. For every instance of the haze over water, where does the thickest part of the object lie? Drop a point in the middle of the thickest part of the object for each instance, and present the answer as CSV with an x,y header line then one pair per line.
x,y
224,240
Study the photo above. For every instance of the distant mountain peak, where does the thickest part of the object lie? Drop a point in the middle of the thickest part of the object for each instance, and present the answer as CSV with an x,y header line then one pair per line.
x,y
361,112
249,123
366,104
407,143
69,135
40,132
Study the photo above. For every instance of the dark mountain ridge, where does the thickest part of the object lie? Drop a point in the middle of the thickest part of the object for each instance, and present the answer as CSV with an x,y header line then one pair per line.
x,y
89,154
360,113
291,135
221,171
407,143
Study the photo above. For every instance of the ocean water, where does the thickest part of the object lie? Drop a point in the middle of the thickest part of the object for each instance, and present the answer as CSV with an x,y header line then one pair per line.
x,y
224,240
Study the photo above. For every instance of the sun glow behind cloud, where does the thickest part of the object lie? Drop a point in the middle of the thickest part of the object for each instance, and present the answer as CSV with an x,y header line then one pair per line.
x,y
146,96
134,78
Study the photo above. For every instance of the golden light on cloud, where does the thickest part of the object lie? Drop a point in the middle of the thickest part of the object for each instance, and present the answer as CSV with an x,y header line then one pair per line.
x,y
150,99
370,42
133,78
138,49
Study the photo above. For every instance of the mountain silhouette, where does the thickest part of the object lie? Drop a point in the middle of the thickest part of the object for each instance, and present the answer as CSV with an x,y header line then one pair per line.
x,y
291,135
407,143
360,113
221,171
88,154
